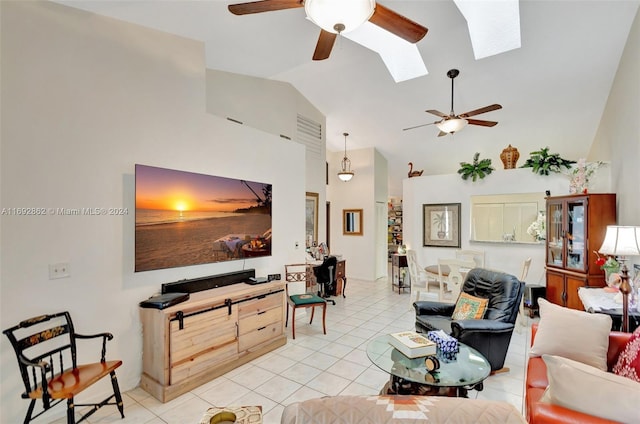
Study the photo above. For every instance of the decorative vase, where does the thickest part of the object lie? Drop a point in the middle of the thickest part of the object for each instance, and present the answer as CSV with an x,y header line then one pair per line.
x,y
509,157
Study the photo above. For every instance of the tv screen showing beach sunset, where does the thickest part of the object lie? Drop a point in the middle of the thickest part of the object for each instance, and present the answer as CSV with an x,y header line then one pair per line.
x,y
185,218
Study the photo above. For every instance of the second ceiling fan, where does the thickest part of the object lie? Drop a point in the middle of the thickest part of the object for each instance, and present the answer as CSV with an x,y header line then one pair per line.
x,y
453,123
337,16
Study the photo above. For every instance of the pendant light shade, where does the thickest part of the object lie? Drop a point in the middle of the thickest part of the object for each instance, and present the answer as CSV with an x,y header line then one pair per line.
x,y
345,173
339,16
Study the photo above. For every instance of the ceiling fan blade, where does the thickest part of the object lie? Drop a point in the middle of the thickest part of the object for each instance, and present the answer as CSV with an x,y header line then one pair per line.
x,y
397,24
437,113
442,133
481,110
482,123
324,45
418,126
263,6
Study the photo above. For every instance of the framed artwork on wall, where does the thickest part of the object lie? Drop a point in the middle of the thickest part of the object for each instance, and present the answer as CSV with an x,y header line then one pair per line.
x,y
311,218
441,225
352,222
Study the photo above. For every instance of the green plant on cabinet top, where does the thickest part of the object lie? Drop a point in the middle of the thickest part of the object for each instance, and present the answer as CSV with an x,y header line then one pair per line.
x,y
542,162
475,170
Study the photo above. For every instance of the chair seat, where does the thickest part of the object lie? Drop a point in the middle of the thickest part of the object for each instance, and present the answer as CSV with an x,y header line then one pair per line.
x,y
434,323
73,381
306,299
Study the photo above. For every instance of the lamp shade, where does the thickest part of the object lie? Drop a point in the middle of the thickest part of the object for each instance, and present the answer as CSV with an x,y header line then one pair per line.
x,y
621,241
339,15
451,125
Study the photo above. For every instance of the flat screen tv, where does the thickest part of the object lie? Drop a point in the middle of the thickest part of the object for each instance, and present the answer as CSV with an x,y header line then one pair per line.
x,y
185,218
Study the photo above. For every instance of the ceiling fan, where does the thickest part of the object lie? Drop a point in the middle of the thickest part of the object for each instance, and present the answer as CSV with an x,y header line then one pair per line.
x,y
452,123
335,17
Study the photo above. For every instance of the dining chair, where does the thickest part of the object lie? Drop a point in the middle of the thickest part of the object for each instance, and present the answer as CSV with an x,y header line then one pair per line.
x,y
522,318
420,279
477,256
301,273
451,275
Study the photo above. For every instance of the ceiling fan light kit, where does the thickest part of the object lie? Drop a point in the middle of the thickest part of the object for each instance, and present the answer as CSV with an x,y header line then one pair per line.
x,y
345,173
453,123
339,16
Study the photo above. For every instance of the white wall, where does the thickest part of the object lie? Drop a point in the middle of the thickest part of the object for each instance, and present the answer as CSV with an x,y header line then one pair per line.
x,y
84,98
618,135
359,193
272,106
451,188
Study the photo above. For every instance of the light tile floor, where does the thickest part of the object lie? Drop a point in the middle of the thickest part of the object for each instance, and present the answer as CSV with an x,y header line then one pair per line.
x,y
315,365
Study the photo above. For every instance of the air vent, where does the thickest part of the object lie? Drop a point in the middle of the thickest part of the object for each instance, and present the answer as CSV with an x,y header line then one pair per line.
x,y
310,135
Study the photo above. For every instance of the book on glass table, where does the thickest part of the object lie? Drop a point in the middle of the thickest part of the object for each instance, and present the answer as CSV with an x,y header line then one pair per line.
x,y
412,344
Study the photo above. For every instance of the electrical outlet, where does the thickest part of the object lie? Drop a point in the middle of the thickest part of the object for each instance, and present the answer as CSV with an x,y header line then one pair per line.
x,y
61,270
272,277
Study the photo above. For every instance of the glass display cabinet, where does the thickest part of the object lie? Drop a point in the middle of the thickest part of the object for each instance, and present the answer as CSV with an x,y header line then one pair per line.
x,y
576,226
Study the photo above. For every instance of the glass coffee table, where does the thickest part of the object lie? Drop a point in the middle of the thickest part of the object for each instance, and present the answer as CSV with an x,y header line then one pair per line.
x,y
456,375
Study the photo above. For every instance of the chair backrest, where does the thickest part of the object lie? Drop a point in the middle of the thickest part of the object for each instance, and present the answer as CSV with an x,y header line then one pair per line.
x,y
296,273
454,277
326,273
503,290
477,256
46,338
525,269
414,268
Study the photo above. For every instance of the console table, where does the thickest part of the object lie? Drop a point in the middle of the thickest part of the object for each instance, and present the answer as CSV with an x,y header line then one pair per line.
x,y
215,331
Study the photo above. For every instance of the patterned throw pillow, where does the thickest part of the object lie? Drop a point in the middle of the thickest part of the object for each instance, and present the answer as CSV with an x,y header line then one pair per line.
x,y
469,307
628,364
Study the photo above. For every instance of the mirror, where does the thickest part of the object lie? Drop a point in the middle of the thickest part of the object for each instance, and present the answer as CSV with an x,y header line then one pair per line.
x,y
505,217
352,222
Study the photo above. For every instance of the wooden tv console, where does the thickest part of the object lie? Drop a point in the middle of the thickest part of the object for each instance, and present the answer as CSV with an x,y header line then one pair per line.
x,y
215,331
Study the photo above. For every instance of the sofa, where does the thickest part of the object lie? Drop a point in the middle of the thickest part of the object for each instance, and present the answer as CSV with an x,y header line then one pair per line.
x,y
536,382
399,409
489,335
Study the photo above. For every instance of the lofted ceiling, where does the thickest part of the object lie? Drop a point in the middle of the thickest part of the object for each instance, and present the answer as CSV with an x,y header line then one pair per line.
x,y
553,89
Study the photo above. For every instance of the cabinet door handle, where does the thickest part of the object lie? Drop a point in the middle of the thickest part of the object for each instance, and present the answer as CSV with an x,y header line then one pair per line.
x,y
180,316
262,312
228,303
261,328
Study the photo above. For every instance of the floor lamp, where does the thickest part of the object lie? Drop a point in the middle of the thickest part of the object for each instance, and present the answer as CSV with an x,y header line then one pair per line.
x,y
622,242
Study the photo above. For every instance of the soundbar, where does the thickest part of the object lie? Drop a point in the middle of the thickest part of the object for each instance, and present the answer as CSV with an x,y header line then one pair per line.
x,y
211,282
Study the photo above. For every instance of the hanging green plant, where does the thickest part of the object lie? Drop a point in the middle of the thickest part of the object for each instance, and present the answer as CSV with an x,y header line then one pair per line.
x,y
542,162
475,170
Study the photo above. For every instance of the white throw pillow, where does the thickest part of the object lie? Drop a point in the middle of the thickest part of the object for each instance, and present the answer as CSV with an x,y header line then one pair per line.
x,y
586,389
573,334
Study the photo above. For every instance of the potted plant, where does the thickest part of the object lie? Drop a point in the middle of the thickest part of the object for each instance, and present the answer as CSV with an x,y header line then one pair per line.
x,y
475,170
542,162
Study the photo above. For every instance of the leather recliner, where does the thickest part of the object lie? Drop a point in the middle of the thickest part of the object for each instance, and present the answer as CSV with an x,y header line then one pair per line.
x,y
491,335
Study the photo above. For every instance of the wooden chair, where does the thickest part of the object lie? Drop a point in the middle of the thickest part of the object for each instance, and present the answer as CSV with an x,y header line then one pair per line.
x,y
45,347
297,273
451,274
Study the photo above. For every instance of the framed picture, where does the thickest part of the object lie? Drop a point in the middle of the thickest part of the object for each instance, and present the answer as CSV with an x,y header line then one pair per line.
x,y
352,222
441,225
311,218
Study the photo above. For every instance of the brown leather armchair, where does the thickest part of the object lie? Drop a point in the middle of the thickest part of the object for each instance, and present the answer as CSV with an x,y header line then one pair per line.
x,y
491,335
536,382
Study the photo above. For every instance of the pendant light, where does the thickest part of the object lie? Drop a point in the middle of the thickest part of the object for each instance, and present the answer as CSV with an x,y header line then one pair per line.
x,y
345,174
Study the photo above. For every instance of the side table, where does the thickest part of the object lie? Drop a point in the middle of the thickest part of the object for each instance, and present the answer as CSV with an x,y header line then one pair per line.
x,y
400,273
